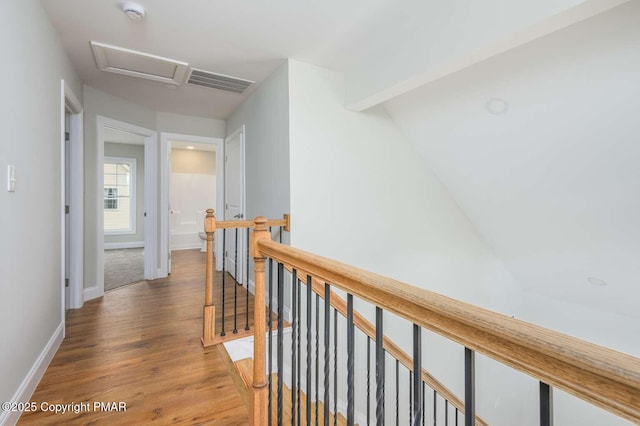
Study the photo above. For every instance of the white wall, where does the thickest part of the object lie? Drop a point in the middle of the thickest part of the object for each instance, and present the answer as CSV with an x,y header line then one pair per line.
x,y
265,116
361,194
30,218
189,125
552,184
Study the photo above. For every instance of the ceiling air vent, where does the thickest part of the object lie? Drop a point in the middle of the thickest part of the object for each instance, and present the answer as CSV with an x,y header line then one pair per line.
x,y
218,81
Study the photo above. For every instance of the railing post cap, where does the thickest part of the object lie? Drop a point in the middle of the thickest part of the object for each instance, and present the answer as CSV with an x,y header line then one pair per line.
x,y
210,222
260,223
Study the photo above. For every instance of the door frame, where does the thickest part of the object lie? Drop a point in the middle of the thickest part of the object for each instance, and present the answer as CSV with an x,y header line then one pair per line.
x,y
150,200
73,297
165,179
243,176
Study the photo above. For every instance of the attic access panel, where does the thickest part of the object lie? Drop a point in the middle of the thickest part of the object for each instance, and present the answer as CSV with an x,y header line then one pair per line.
x,y
138,64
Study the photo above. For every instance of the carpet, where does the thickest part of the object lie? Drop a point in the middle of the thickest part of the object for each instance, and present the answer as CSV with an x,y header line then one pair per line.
x,y
122,267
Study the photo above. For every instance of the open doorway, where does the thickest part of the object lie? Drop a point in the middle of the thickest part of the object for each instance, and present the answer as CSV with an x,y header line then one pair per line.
x,y
144,206
192,182
192,190
123,214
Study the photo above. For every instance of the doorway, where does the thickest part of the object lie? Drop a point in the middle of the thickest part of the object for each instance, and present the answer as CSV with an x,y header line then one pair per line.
x,y
123,204
145,205
192,181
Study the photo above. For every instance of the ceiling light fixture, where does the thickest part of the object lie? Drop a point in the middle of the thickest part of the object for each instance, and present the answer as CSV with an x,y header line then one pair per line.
x,y
190,147
133,10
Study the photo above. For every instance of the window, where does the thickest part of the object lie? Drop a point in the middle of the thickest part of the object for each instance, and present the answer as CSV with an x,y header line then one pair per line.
x,y
119,198
111,198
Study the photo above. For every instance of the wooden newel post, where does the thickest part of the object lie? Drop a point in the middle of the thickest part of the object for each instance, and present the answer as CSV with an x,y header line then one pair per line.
x,y
259,391
209,312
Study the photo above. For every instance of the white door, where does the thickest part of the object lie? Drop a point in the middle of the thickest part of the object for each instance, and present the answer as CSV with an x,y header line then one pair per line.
x,y
234,203
170,207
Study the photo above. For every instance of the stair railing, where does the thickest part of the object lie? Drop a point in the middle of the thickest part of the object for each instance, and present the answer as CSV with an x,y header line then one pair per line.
x,y
603,377
209,334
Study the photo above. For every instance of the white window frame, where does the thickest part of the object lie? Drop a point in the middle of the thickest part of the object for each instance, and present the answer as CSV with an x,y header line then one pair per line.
x,y
131,162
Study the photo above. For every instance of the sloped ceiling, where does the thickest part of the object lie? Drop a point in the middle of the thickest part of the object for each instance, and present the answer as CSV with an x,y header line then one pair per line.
x,y
552,182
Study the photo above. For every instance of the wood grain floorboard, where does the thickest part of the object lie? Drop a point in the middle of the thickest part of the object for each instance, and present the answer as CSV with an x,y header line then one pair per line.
x,y
140,344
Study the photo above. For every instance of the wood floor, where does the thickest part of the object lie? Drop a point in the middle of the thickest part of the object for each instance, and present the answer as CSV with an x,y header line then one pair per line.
x,y
140,345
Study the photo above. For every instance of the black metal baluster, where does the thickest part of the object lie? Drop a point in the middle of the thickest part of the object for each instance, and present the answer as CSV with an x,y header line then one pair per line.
x,y
308,407
270,340
546,405
397,392
317,355
435,407
350,362
280,338
294,358
456,417
246,320
368,380
235,287
417,374
410,396
327,340
380,364
424,413
224,264
469,388
298,284
446,411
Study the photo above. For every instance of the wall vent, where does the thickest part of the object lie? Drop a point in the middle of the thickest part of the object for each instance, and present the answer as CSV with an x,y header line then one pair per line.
x,y
218,81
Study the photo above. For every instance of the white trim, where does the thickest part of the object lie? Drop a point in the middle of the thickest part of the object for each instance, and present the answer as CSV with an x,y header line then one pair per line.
x,y
165,177
131,244
133,201
32,379
76,199
150,201
95,291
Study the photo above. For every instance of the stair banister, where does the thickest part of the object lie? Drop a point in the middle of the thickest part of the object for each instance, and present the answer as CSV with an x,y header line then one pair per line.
x,y
598,375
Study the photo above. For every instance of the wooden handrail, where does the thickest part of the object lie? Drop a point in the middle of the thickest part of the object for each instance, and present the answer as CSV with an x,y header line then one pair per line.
x,y
209,337
598,375
394,350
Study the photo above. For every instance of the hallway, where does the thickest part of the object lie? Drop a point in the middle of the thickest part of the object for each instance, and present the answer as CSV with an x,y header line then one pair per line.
x,y
140,345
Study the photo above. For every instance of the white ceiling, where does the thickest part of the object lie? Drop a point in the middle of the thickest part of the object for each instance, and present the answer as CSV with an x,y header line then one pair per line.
x,y
245,39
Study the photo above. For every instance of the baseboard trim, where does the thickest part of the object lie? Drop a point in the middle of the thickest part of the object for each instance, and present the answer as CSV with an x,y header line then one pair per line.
x,y
131,244
91,293
31,381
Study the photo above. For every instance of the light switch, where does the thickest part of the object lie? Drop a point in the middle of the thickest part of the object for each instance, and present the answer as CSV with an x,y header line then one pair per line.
x,y
11,178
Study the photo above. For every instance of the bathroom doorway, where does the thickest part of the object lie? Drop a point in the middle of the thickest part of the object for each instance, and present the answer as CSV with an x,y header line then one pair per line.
x,y
192,183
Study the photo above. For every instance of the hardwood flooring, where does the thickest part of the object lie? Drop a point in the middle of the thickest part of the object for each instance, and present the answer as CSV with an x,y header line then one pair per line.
x,y
140,344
